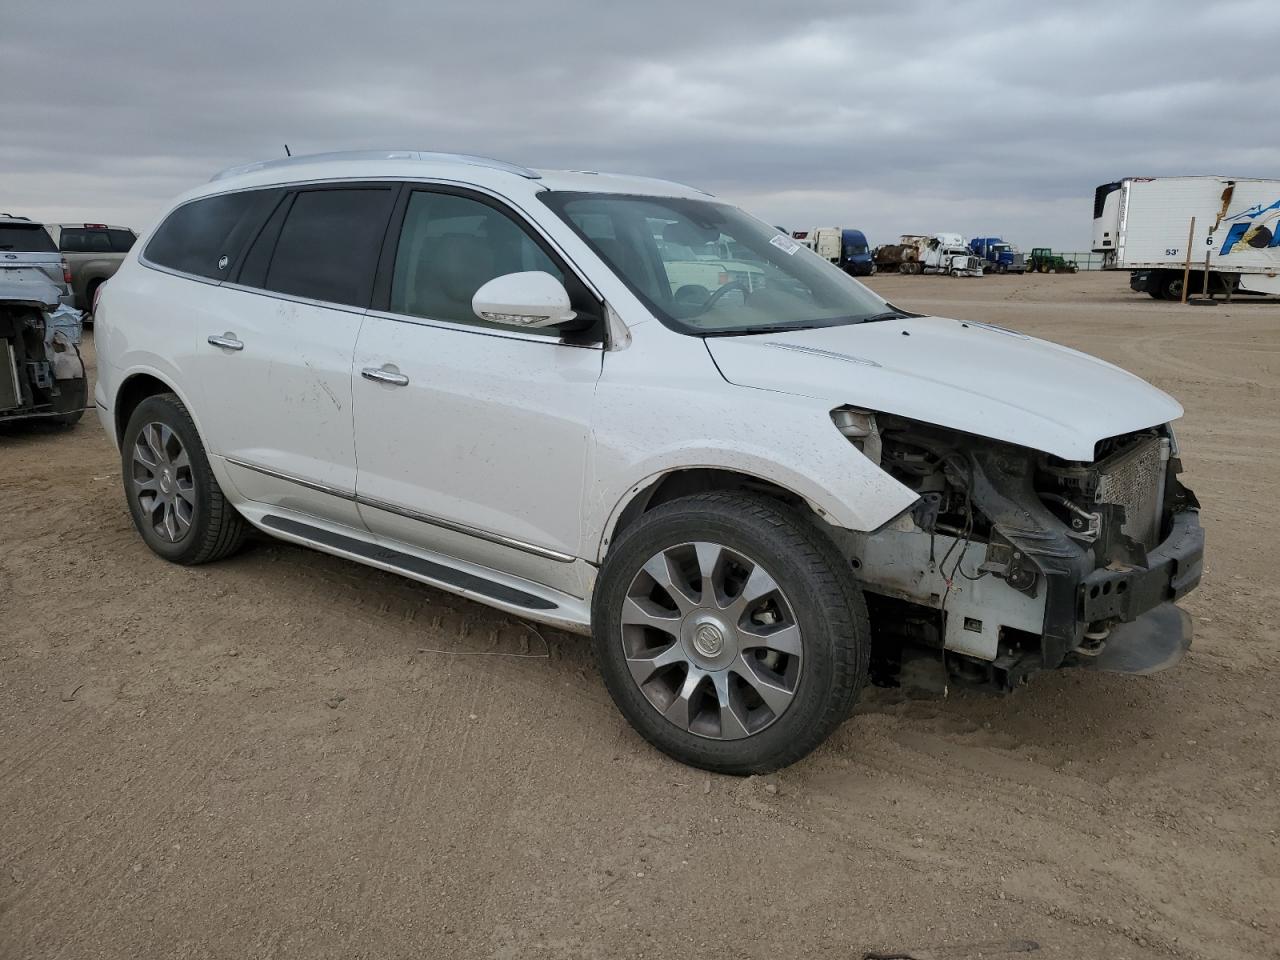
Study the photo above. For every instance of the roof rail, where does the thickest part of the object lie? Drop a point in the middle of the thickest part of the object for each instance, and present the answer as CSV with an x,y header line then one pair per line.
x,y
341,155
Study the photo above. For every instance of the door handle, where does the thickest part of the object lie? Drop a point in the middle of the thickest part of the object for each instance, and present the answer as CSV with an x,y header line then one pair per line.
x,y
227,341
383,375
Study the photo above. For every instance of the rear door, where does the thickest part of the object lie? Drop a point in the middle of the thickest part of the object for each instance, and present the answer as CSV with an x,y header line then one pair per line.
x,y
274,356
471,436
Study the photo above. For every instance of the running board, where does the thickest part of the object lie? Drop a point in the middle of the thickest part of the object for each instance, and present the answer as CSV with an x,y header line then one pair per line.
x,y
409,564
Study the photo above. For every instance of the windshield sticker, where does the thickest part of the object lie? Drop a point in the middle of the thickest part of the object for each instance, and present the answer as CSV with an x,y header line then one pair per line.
x,y
785,244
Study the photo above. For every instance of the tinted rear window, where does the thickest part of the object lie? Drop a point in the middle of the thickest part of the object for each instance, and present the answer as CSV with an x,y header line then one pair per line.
x,y
24,238
328,247
198,235
80,240
121,240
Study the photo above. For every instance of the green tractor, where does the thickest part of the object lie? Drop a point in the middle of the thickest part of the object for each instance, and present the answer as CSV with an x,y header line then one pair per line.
x,y
1044,260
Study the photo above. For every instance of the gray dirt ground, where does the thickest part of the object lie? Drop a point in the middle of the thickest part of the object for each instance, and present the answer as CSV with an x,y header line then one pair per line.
x,y
179,778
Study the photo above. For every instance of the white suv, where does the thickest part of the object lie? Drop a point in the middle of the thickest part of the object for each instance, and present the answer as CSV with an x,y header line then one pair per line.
x,y
487,378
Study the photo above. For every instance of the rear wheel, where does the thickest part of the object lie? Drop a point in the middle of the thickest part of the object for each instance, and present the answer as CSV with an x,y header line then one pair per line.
x,y
729,632
71,400
173,496
1169,283
90,295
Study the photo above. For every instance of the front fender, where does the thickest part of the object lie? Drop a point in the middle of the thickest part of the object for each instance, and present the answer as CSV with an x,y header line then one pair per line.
x,y
788,441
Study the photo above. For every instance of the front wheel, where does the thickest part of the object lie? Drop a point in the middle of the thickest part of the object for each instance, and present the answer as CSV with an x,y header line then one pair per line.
x,y
173,496
730,632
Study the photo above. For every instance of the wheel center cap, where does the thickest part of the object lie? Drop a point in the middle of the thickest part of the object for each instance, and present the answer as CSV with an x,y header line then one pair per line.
x,y
166,481
708,640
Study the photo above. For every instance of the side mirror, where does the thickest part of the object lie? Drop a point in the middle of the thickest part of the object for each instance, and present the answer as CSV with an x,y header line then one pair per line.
x,y
529,299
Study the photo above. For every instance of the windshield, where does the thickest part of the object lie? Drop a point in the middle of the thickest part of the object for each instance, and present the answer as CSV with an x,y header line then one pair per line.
x,y
708,269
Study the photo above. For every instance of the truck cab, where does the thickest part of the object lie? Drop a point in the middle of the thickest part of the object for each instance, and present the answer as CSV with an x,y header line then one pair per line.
x,y
855,253
845,247
997,255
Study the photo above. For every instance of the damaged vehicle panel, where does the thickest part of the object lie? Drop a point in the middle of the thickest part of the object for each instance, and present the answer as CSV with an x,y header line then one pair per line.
x,y
754,492
41,373
1016,560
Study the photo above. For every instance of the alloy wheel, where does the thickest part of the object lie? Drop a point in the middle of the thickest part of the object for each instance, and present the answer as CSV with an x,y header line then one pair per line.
x,y
711,641
162,481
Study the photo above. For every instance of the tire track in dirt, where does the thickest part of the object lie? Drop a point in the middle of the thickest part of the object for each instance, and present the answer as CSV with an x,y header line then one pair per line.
x,y
146,811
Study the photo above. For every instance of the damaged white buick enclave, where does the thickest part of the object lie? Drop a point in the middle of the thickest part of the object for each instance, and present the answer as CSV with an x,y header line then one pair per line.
x,y
621,407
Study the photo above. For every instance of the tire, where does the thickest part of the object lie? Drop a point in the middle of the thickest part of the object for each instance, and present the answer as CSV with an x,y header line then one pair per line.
x,y
73,396
814,608
89,293
1169,283
187,519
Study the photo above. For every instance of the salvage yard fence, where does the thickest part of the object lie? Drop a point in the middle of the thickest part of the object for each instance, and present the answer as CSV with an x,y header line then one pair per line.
x,y
1084,259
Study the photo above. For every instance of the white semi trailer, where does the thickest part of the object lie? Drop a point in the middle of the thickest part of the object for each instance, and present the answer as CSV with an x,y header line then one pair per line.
x,y
1142,224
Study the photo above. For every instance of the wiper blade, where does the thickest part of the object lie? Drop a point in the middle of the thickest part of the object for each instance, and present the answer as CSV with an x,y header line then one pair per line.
x,y
887,315
750,331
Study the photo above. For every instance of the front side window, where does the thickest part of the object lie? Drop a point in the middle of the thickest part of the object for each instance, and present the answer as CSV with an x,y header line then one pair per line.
x,y
203,236
708,269
328,246
450,246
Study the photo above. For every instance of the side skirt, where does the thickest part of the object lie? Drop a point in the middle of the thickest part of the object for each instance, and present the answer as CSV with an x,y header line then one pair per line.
x,y
510,594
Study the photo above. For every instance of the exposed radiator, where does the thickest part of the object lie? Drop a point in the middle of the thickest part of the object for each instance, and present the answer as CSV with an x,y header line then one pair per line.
x,y
1134,479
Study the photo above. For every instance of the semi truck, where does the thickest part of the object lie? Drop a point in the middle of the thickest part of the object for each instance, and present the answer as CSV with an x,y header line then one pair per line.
x,y
948,253
905,256
997,256
1143,225
844,246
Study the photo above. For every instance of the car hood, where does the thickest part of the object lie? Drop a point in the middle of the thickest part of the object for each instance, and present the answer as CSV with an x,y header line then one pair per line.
x,y
963,375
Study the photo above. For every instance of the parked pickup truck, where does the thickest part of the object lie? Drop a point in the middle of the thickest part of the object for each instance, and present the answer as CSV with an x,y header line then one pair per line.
x,y
93,251
41,373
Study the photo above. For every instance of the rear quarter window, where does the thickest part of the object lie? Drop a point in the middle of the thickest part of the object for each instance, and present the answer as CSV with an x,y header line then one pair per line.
x,y
204,237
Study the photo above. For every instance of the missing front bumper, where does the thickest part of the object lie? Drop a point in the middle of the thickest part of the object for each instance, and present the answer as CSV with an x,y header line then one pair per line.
x,y
1153,642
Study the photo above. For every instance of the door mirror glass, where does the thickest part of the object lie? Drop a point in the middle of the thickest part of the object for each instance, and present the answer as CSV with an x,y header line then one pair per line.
x,y
531,298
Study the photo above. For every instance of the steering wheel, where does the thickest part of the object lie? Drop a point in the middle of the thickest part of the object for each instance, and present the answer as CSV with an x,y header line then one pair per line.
x,y
712,300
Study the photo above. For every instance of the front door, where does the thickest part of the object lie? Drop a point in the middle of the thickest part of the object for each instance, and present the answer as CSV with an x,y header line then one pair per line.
x,y
471,437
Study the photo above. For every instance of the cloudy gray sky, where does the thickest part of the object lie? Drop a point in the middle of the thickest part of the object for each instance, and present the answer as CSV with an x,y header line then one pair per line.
x,y
979,118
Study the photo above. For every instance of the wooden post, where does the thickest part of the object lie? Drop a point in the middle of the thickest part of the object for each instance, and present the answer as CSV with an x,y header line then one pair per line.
x,y
1207,251
1186,269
